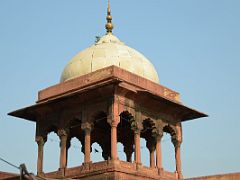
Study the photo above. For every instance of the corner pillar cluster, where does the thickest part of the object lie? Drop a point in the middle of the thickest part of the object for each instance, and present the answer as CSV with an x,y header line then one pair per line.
x,y
40,141
177,145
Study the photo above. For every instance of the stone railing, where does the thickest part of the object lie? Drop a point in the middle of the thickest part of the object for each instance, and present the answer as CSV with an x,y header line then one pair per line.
x,y
100,166
121,166
171,175
127,165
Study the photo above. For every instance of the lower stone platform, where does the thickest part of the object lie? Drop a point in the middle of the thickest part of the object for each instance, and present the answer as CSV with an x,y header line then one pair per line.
x,y
112,170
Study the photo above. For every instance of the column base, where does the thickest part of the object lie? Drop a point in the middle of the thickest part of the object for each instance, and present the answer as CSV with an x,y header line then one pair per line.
x,y
84,163
87,165
138,165
179,175
62,171
40,174
114,162
160,171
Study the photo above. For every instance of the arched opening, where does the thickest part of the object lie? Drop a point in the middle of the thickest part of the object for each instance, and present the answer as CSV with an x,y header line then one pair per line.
x,y
125,135
96,153
145,158
51,152
101,134
75,154
168,149
148,143
121,153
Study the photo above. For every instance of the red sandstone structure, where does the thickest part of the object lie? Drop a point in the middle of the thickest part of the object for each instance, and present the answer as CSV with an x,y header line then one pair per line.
x,y
231,176
110,104
8,176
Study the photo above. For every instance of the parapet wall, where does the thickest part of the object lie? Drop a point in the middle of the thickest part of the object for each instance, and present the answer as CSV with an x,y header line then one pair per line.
x,y
232,176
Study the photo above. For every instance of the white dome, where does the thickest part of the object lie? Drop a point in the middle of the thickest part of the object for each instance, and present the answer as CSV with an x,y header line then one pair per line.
x,y
108,51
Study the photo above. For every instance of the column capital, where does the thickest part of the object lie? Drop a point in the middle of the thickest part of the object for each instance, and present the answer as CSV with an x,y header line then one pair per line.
x,y
62,132
177,143
113,120
151,145
114,124
159,137
40,140
137,131
136,126
86,126
158,134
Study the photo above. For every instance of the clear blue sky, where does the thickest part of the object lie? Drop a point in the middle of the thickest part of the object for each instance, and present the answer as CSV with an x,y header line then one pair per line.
x,y
194,45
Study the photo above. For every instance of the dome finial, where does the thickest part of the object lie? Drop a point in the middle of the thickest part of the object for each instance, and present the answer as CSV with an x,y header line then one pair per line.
x,y
109,25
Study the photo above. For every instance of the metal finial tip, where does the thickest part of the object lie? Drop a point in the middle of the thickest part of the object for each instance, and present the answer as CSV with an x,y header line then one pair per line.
x,y
109,8
109,25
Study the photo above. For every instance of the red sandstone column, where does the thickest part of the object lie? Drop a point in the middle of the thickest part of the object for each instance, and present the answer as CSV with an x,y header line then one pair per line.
x,y
40,141
114,155
152,158
87,157
177,145
63,151
159,152
137,154
87,142
151,147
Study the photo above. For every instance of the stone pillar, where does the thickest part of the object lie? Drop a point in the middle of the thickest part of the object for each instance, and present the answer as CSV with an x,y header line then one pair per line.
x,y
152,158
114,154
40,141
87,142
137,155
159,151
151,147
177,145
63,149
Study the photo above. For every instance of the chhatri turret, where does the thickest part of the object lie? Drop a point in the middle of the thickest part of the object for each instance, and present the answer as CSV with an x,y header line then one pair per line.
x,y
109,93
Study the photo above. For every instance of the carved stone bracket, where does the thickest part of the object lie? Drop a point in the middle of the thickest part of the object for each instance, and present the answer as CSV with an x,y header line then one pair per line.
x,y
176,142
137,131
41,140
62,132
178,128
115,123
136,126
63,135
151,145
157,133
86,126
113,120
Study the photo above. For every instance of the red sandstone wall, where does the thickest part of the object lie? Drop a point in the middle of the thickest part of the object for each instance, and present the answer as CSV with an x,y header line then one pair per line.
x,y
233,176
4,175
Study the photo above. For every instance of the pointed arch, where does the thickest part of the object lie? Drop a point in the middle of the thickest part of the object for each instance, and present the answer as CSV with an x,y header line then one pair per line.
x,y
51,151
75,156
101,133
125,134
168,148
171,130
149,141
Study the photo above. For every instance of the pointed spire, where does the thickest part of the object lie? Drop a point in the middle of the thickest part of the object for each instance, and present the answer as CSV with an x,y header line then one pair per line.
x,y
109,25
